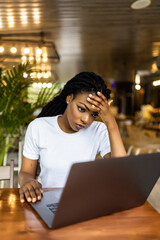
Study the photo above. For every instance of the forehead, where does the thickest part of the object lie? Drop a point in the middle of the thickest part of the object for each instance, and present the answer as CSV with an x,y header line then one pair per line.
x,y
83,96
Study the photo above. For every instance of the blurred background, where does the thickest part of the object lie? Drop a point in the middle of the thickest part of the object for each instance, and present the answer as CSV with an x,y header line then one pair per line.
x,y
117,39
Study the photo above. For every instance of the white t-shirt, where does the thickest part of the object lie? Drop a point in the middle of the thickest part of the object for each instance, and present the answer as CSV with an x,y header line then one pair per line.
x,y
58,150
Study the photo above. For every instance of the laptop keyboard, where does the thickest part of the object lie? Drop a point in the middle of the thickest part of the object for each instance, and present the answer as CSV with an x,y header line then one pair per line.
x,y
52,207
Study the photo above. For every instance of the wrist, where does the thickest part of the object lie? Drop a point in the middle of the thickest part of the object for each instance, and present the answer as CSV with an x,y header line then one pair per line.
x,y
111,123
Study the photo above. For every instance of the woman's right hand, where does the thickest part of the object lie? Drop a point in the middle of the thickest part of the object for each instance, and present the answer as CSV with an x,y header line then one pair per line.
x,y
31,191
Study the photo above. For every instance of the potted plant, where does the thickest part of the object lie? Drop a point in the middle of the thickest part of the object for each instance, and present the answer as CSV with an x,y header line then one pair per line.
x,y
16,111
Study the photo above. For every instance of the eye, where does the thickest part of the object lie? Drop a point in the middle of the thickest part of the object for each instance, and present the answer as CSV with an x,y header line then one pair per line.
x,y
94,115
81,109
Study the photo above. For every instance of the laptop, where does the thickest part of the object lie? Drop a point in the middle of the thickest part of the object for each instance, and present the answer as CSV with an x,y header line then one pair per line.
x,y
99,188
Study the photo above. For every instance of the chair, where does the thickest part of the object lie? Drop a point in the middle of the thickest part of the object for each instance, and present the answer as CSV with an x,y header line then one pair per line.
x,y
135,150
7,173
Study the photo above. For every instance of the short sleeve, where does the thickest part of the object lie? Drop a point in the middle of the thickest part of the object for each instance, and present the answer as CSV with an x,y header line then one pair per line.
x,y
31,149
104,146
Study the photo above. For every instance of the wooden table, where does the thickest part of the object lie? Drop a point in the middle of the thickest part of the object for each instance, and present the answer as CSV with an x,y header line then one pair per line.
x,y
18,222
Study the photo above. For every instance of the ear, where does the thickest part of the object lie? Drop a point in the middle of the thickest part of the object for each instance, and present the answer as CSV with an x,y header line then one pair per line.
x,y
69,98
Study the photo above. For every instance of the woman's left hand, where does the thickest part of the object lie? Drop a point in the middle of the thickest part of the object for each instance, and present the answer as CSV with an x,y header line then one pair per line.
x,y
101,105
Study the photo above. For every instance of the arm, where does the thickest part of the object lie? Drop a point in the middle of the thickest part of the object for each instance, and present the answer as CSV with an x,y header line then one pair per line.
x,y
102,106
30,188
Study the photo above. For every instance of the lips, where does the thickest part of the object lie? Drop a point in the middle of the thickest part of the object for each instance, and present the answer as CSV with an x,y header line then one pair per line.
x,y
79,127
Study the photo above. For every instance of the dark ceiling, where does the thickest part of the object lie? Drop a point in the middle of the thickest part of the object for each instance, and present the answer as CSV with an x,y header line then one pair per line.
x,y
104,36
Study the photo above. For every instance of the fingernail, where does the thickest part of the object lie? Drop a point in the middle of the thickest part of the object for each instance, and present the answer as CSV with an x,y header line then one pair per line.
x,y
90,95
98,93
22,200
88,98
39,197
29,199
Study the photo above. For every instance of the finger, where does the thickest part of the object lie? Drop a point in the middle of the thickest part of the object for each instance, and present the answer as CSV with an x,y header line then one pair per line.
x,y
36,186
40,187
41,190
39,193
33,194
95,98
94,102
102,96
22,197
95,108
110,102
26,193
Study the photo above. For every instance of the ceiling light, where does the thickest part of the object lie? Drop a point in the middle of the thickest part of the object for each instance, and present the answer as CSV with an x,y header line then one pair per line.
x,y
1,49
13,50
140,4
137,79
137,87
34,85
39,85
44,85
156,83
24,59
31,58
23,50
45,75
39,51
45,59
39,75
49,85
33,75
26,50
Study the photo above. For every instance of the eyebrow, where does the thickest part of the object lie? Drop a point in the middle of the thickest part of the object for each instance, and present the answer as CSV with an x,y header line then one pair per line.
x,y
85,106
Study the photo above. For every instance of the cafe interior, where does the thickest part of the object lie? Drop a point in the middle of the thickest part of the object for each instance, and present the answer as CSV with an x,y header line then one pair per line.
x,y
48,42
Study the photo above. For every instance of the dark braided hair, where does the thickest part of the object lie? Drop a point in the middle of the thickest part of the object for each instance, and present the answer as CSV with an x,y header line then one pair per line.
x,y
82,82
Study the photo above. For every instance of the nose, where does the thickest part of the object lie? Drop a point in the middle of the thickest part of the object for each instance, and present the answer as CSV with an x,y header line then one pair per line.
x,y
85,119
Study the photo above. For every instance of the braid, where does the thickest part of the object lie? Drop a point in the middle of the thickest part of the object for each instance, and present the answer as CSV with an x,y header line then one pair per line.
x,y
55,107
82,82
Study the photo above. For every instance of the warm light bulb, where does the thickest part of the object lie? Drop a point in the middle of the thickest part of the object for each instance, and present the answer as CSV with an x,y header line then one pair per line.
x,y
39,85
45,75
45,59
1,49
24,59
49,85
137,87
137,79
39,75
44,85
13,50
156,83
34,85
33,74
26,50
39,51
38,59
31,58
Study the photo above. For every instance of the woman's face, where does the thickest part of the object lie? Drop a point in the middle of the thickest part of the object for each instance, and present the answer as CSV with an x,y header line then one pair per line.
x,y
79,112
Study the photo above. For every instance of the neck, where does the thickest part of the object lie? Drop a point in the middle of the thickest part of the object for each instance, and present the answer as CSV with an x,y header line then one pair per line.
x,y
64,124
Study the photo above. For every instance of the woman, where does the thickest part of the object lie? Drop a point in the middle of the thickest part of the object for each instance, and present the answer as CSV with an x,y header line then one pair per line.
x,y
65,132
